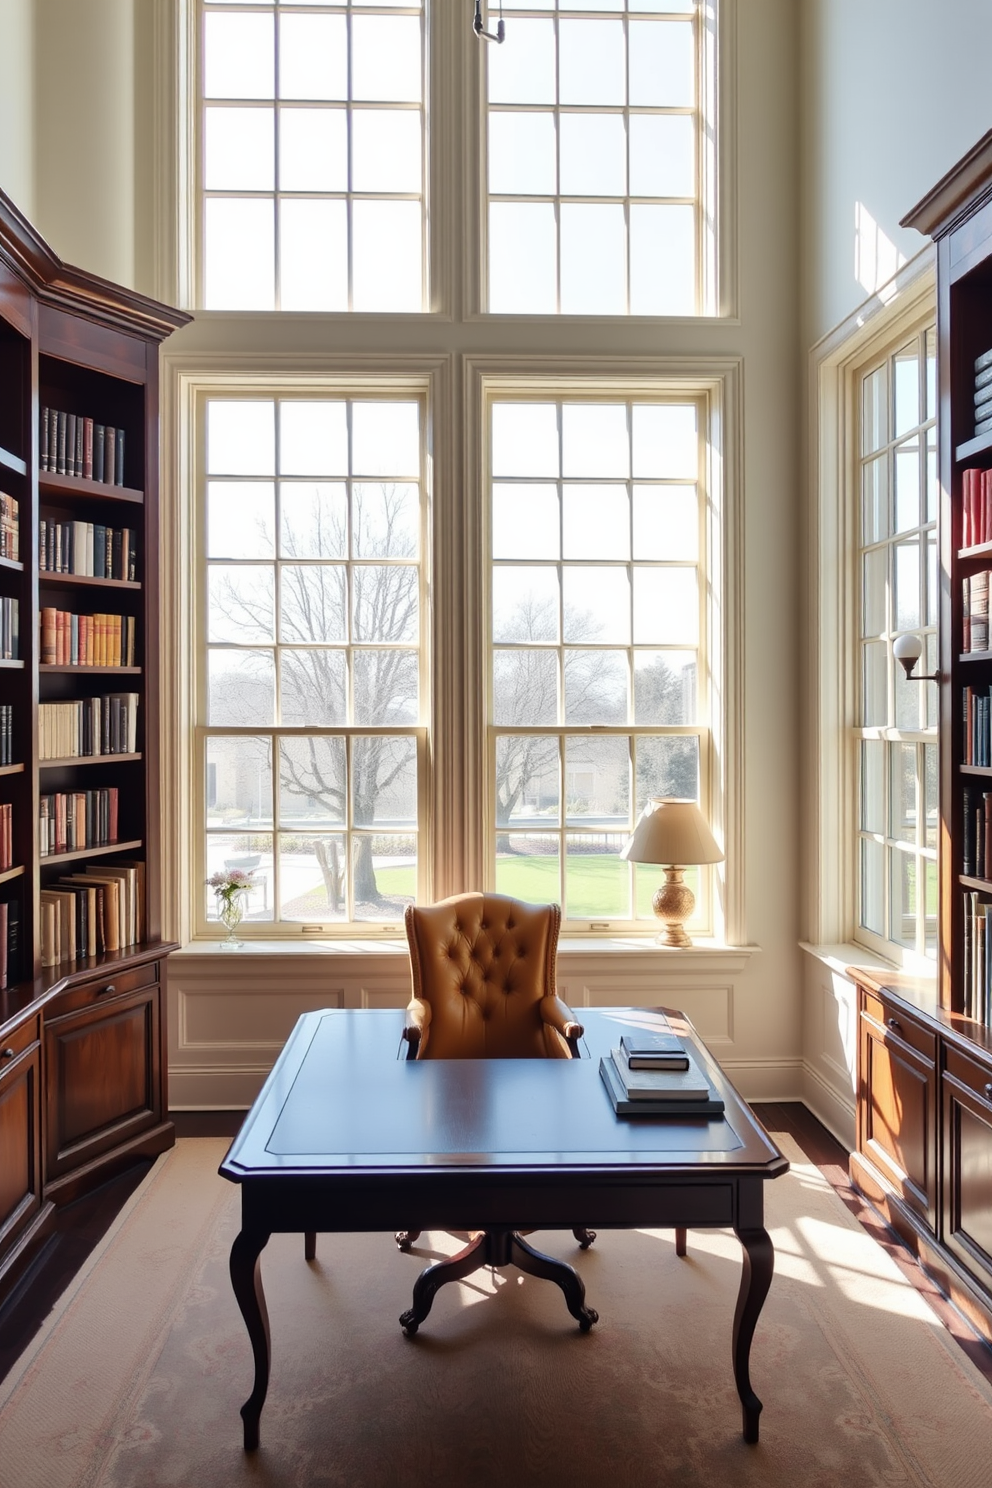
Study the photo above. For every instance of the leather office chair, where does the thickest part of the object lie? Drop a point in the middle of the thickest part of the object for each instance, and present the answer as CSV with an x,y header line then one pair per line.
x,y
483,969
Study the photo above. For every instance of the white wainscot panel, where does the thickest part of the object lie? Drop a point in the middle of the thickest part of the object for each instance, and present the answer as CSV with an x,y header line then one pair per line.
x,y
830,1031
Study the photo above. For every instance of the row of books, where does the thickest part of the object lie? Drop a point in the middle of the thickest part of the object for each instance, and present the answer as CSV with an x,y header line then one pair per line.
x,y
977,958
976,718
6,734
69,821
10,942
976,837
86,640
6,836
654,1074
70,444
975,611
88,726
100,908
89,549
10,530
976,505
10,625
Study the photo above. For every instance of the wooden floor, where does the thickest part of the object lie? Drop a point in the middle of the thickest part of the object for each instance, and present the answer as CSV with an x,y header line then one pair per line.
x,y
81,1226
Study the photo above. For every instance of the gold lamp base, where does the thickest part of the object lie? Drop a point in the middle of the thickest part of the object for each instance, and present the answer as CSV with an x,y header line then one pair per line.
x,y
673,903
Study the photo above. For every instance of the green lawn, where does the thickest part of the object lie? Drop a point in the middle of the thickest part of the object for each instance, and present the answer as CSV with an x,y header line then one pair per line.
x,y
596,885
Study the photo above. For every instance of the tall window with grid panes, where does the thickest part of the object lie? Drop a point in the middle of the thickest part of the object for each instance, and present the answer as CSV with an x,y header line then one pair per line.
x,y
897,722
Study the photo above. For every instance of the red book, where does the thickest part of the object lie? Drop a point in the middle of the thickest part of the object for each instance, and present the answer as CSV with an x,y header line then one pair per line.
x,y
88,448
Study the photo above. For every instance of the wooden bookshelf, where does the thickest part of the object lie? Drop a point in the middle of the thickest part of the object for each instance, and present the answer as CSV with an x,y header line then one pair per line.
x,y
82,1085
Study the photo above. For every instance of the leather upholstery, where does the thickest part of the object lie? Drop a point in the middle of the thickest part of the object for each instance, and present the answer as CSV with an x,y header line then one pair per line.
x,y
484,980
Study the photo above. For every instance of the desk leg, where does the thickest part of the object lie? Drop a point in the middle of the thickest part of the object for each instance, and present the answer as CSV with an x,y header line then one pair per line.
x,y
756,1278
246,1278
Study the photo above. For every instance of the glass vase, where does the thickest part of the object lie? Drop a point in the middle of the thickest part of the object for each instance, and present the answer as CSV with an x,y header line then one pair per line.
x,y
231,913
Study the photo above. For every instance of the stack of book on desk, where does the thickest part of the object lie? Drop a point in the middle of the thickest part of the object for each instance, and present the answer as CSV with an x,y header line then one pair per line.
x,y
653,1074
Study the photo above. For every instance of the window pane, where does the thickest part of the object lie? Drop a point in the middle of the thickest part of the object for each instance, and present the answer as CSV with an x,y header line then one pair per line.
x,y
313,56
386,602
528,866
662,155
666,442
386,688
526,522
525,71
312,603
907,586
597,879
313,687
593,155
386,439
906,377
593,260
385,152
239,149
666,522
662,260
525,687
238,56
384,868
313,438
597,782
239,258
596,686
251,851
240,603
596,521
665,686
525,439
903,824
387,269
662,64
873,785
385,521
597,604
527,788
314,520
903,890
666,606
595,439
874,702
666,767
241,437
241,688
525,604
875,500
591,62
240,519
386,59
241,771
522,258
313,261
522,154
313,150
873,886
384,781
874,589
313,877
875,411
907,464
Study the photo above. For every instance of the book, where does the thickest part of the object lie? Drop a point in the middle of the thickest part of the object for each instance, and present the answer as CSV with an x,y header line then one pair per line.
x,y
626,1107
689,1084
983,361
654,1051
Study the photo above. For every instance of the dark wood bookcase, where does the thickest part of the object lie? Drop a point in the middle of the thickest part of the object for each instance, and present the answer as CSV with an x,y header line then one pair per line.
x,y
82,1058
924,1102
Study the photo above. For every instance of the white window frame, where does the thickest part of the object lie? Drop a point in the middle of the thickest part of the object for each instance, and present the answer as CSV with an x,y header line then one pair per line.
x,y
831,793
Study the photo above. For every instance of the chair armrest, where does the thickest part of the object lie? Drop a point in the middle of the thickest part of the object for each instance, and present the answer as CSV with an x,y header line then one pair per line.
x,y
563,1020
418,1017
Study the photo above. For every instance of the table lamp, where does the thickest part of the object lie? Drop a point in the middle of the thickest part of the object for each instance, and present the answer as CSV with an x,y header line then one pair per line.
x,y
674,834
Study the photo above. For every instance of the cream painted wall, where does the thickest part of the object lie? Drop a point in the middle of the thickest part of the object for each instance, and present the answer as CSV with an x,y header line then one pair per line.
x,y
894,92
85,147
17,103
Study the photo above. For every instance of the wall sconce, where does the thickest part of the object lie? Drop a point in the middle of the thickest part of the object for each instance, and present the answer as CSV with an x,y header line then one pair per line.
x,y
907,651
479,25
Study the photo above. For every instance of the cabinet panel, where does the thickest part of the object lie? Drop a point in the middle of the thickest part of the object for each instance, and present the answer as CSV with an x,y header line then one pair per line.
x,y
103,1078
897,1115
20,1133
967,1113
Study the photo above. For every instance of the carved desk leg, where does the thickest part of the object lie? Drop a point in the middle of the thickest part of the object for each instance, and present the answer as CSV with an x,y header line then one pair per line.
x,y
756,1278
246,1278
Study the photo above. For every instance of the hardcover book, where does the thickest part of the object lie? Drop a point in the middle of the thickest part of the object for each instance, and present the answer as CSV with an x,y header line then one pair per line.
x,y
624,1106
686,1084
654,1051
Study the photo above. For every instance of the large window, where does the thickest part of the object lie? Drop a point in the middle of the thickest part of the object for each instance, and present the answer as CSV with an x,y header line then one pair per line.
x,y
313,614
312,155
896,734
597,620
596,159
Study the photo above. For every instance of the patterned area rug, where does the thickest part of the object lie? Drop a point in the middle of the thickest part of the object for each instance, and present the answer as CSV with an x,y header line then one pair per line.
x,y
137,1379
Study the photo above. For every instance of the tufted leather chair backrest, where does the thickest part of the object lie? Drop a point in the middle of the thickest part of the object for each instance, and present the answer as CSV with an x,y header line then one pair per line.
x,y
483,962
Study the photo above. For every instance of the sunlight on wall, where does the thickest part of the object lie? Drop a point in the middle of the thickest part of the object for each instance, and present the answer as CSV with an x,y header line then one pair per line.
x,y
876,257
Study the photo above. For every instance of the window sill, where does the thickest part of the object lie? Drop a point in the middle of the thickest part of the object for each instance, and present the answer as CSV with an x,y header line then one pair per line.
x,y
839,957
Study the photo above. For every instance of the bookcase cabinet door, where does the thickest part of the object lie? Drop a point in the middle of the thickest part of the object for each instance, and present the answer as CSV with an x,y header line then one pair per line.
x,y
20,1140
103,1081
967,1125
897,1104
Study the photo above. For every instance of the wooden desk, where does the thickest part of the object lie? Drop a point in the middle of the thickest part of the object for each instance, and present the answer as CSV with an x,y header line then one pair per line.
x,y
346,1136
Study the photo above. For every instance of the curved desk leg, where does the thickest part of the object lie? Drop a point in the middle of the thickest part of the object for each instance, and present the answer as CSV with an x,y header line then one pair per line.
x,y
246,1278
756,1278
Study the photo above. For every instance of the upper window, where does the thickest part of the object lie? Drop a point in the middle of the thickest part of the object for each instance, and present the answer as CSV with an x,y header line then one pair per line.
x,y
597,157
312,155
598,627
897,722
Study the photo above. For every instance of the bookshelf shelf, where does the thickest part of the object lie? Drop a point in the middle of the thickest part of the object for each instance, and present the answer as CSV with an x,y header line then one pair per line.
x,y
84,854
81,947
81,760
973,449
9,461
46,576
12,563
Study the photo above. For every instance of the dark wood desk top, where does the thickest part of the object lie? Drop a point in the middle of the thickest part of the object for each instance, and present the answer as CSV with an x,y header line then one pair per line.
x,y
340,1102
